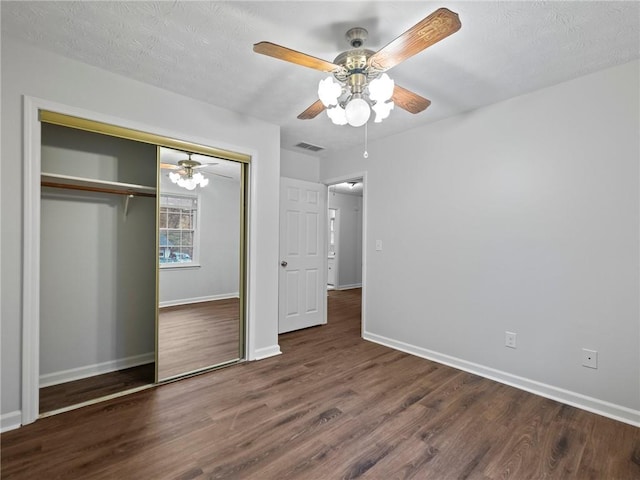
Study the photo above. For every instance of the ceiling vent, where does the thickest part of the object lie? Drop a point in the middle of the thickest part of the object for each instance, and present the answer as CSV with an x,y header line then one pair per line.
x,y
310,147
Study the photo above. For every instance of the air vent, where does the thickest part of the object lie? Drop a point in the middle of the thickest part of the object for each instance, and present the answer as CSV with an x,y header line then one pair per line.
x,y
310,147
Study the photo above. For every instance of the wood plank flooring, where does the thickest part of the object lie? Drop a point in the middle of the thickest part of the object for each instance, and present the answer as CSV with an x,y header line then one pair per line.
x,y
332,406
79,391
198,335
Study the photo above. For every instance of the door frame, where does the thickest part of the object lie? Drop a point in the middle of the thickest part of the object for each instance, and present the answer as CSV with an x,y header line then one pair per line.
x,y
31,143
341,179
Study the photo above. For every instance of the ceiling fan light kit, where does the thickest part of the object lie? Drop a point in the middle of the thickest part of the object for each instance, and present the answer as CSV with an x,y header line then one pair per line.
x,y
351,103
189,182
187,177
358,83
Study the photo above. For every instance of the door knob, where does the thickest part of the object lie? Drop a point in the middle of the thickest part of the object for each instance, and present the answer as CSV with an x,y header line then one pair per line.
x,y
284,263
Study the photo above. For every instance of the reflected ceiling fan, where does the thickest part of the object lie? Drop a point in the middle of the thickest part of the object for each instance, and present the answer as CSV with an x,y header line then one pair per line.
x,y
359,83
185,173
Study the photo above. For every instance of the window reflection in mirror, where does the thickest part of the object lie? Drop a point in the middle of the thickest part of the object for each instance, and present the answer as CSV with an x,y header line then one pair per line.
x,y
177,223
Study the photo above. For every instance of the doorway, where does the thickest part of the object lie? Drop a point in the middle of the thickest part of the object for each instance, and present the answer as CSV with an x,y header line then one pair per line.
x,y
345,243
305,253
345,235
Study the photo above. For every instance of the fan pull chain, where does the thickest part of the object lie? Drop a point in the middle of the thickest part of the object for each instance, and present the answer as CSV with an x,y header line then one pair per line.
x,y
365,154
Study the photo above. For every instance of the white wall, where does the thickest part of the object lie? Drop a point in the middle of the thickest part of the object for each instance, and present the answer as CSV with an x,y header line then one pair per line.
x,y
299,166
521,216
349,246
28,71
217,273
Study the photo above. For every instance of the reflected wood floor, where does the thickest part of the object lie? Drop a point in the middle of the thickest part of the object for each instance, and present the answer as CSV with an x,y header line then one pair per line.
x,y
197,335
332,406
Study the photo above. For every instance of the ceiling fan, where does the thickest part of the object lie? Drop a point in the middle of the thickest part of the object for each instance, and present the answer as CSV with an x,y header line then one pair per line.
x,y
362,84
185,173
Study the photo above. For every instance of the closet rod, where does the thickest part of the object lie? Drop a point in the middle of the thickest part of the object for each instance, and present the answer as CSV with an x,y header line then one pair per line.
x,y
96,189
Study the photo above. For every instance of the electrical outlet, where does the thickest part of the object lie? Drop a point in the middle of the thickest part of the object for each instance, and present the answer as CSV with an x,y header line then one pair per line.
x,y
589,358
510,339
378,245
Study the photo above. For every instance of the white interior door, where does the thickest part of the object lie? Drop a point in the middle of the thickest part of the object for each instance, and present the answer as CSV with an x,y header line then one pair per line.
x,y
303,254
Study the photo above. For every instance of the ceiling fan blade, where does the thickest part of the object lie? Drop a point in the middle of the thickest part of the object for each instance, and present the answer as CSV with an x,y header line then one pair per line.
x,y
409,101
440,24
219,175
299,58
203,165
170,166
313,111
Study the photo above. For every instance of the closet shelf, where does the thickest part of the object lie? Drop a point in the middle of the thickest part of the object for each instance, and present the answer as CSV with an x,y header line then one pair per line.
x,y
88,184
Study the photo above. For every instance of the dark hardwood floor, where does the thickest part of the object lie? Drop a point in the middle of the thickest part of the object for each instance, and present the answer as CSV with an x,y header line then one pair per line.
x,y
332,406
79,391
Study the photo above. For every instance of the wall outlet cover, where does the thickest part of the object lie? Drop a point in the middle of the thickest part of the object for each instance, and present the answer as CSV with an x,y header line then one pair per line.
x,y
589,358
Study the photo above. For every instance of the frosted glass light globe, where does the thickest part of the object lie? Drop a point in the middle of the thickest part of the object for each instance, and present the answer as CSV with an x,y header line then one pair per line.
x,y
357,112
381,89
329,91
188,183
382,110
337,115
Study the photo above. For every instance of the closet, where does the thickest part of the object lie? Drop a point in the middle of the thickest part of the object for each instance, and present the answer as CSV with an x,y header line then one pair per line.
x,y
103,194
97,262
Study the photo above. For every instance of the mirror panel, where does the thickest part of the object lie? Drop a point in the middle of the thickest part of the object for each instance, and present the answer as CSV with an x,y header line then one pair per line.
x,y
199,257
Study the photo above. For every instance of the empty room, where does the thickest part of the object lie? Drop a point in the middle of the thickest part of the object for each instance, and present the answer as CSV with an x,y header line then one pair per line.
x,y
320,240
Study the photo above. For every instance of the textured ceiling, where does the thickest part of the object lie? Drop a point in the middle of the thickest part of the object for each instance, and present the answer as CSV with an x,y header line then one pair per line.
x,y
204,50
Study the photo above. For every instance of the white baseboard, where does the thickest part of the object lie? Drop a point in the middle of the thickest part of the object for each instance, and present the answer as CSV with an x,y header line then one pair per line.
x,y
266,352
584,402
349,287
10,421
64,376
209,298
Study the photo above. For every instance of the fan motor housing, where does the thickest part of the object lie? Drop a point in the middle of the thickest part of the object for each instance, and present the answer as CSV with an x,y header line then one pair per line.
x,y
354,59
188,163
355,62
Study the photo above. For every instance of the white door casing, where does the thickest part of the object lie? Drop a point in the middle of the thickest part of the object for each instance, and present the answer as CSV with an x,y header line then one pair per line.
x,y
303,256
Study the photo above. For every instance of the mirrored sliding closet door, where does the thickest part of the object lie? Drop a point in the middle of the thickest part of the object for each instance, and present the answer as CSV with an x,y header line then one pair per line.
x,y
200,262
